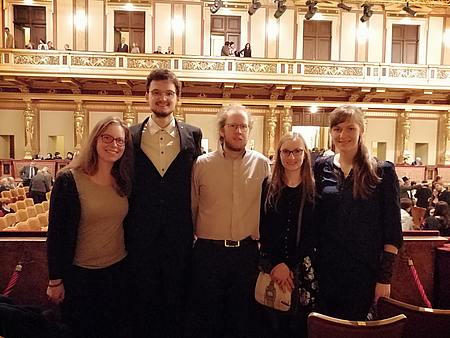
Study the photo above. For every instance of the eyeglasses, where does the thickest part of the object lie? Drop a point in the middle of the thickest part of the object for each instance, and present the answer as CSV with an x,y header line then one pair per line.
x,y
108,139
236,127
296,152
157,94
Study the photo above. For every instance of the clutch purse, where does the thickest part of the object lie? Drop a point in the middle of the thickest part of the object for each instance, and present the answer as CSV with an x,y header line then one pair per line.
x,y
269,294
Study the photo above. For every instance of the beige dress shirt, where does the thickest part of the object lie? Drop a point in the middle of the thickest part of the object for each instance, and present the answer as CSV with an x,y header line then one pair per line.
x,y
226,195
161,145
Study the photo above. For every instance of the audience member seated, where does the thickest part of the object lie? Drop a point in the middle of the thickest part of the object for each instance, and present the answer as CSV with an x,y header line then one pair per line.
x,y
57,156
169,50
4,209
417,161
423,195
135,48
440,193
247,52
39,186
67,47
42,45
122,47
50,45
440,219
29,45
158,50
4,184
69,156
405,214
49,156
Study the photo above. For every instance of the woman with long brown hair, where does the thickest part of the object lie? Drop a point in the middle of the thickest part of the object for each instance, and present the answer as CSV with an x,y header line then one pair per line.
x,y
85,246
290,190
358,220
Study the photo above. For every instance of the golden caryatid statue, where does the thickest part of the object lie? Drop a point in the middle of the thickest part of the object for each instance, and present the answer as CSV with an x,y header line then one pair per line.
x,y
130,115
447,138
286,121
405,124
29,117
271,119
79,117
179,113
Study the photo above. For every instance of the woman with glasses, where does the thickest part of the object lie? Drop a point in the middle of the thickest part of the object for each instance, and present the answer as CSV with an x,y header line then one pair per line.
x,y
358,221
289,264
85,246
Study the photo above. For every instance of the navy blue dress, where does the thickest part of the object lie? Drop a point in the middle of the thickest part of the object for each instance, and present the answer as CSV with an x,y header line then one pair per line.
x,y
351,235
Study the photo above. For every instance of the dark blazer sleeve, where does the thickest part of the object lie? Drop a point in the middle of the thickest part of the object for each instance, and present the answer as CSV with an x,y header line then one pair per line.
x,y
197,134
64,218
390,206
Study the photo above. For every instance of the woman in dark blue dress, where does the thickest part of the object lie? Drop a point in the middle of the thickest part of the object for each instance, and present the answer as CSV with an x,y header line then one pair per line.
x,y
358,221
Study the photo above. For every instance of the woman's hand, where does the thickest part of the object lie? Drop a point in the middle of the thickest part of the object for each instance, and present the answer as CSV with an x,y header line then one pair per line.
x,y
55,291
283,277
382,290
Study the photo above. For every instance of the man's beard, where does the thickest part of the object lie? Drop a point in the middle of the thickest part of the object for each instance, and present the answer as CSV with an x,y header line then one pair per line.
x,y
232,148
162,113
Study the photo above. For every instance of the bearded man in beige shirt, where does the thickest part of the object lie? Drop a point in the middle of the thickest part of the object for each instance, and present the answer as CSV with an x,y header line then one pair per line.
x,y
226,193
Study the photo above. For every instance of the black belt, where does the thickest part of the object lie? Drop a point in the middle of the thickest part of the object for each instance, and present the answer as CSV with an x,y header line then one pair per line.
x,y
228,243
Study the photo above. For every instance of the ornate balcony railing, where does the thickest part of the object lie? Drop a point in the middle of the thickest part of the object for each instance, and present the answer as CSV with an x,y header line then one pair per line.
x,y
17,62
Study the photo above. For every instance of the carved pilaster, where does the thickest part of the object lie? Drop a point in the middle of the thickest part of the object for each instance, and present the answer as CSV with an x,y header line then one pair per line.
x,y
286,121
271,120
447,138
79,122
30,127
179,113
403,131
130,115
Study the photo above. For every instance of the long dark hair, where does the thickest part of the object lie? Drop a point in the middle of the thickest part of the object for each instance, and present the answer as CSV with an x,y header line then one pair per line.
x,y
122,170
277,181
365,177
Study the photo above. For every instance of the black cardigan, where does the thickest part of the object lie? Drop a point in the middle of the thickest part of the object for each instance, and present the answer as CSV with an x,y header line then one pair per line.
x,y
64,219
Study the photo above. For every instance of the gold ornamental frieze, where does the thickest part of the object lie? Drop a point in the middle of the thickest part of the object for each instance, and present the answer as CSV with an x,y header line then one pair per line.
x,y
256,67
290,68
443,74
140,63
36,59
333,70
408,73
203,65
93,61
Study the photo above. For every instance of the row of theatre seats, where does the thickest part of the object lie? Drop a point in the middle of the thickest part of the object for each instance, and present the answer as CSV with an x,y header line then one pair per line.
x,y
27,216
400,320
13,195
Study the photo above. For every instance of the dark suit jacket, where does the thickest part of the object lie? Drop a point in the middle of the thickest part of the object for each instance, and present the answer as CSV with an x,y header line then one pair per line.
x,y
123,48
25,174
159,222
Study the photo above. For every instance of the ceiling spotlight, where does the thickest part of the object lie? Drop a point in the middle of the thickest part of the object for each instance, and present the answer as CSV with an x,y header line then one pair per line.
x,y
345,7
216,6
312,9
408,10
281,8
367,12
253,7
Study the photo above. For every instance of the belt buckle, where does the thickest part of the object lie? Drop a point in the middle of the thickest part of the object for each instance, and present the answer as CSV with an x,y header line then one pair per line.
x,y
231,244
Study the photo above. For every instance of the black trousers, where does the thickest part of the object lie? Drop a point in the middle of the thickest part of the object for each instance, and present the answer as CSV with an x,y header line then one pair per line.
x,y
94,304
38,197
222,300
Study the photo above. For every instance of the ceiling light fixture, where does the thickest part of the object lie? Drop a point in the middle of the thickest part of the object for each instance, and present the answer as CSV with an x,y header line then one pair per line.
x,y
312,9
409,10
367,12
345,7
281,8
216,6
254,6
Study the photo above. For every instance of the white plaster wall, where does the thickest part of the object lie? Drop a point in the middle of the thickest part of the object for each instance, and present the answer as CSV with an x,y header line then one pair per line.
x,y
286,35
424,131
95,117
12,123
348,36
163,24
273,26
435,38
95,26
375,41
258,33
64,19
56,124
193,31
178,29
381,130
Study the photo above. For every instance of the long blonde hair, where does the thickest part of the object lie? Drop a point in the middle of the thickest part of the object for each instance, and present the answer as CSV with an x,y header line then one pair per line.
x,y
87,159
277,181
365,177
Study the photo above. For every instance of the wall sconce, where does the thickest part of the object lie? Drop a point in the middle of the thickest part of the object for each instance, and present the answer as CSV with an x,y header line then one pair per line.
x,y
281,8
312,9
254,6
409,10
367,12
216,6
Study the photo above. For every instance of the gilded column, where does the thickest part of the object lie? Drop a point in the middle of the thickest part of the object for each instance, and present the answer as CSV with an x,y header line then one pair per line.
x,y
179,113
286,121
79,122
30,124
271,119
447,138
130,115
